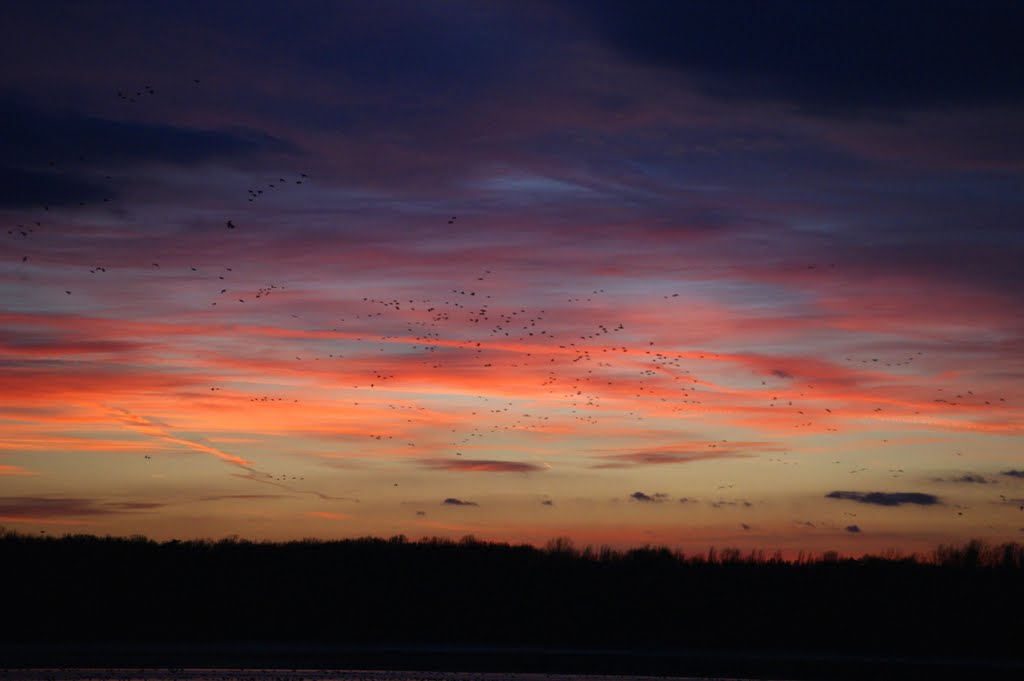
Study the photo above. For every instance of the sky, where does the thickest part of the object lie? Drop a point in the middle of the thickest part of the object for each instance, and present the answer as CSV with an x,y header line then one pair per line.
x,y
678,273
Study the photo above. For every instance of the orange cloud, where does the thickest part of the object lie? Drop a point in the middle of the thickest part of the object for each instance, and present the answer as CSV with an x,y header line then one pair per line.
x,y
7,469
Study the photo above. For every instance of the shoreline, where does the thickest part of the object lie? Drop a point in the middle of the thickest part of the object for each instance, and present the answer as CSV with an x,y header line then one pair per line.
x,y
501,659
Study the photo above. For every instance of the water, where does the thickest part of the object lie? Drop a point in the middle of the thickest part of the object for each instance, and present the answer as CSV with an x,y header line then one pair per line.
x,y
307,675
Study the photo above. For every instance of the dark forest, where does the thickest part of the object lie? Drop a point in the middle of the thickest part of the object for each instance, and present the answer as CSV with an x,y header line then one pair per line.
x,y
440,592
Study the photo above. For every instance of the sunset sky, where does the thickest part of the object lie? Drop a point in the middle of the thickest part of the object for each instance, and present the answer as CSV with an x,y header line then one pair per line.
x,y
729,273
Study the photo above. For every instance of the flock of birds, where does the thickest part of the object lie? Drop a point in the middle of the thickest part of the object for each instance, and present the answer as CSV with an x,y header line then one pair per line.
x,y
590,371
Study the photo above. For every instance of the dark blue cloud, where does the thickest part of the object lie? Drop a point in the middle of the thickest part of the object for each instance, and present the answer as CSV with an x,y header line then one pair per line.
x,y
886,498
57,142
21,188
66,158
443,48
826,56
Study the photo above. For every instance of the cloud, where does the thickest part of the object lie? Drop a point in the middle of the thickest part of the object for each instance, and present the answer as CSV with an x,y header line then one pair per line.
x,y
722,503
886,498
247,497
853,529
132,505
20,188
8,469
966,478
38,138
159,430
823,56
162,431
70,507
482,465
62,158
688,500
328,515
452,501
655,498
1013,473
37,342
688,452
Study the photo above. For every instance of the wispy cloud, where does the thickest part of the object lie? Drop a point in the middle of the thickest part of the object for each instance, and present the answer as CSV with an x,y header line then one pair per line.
x,y
483,466
723,503
159,430
328,515
689,452
242,497
966,478
69,507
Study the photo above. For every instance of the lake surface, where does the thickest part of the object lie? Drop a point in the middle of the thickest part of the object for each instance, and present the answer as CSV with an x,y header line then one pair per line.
x,y
308,675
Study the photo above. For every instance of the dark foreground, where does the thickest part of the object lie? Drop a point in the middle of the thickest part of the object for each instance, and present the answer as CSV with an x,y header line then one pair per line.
x,y
436,605
240,661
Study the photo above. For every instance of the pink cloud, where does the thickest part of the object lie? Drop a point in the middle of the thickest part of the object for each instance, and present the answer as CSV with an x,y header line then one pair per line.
x,y
328,515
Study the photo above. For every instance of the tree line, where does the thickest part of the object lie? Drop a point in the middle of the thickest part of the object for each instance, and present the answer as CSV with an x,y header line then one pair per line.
x,y
370,591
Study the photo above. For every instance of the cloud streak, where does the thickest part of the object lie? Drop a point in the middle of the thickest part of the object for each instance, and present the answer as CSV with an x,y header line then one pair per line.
x,y
886,498
157,430
452,501
55,508
482,466
966,478
685,453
